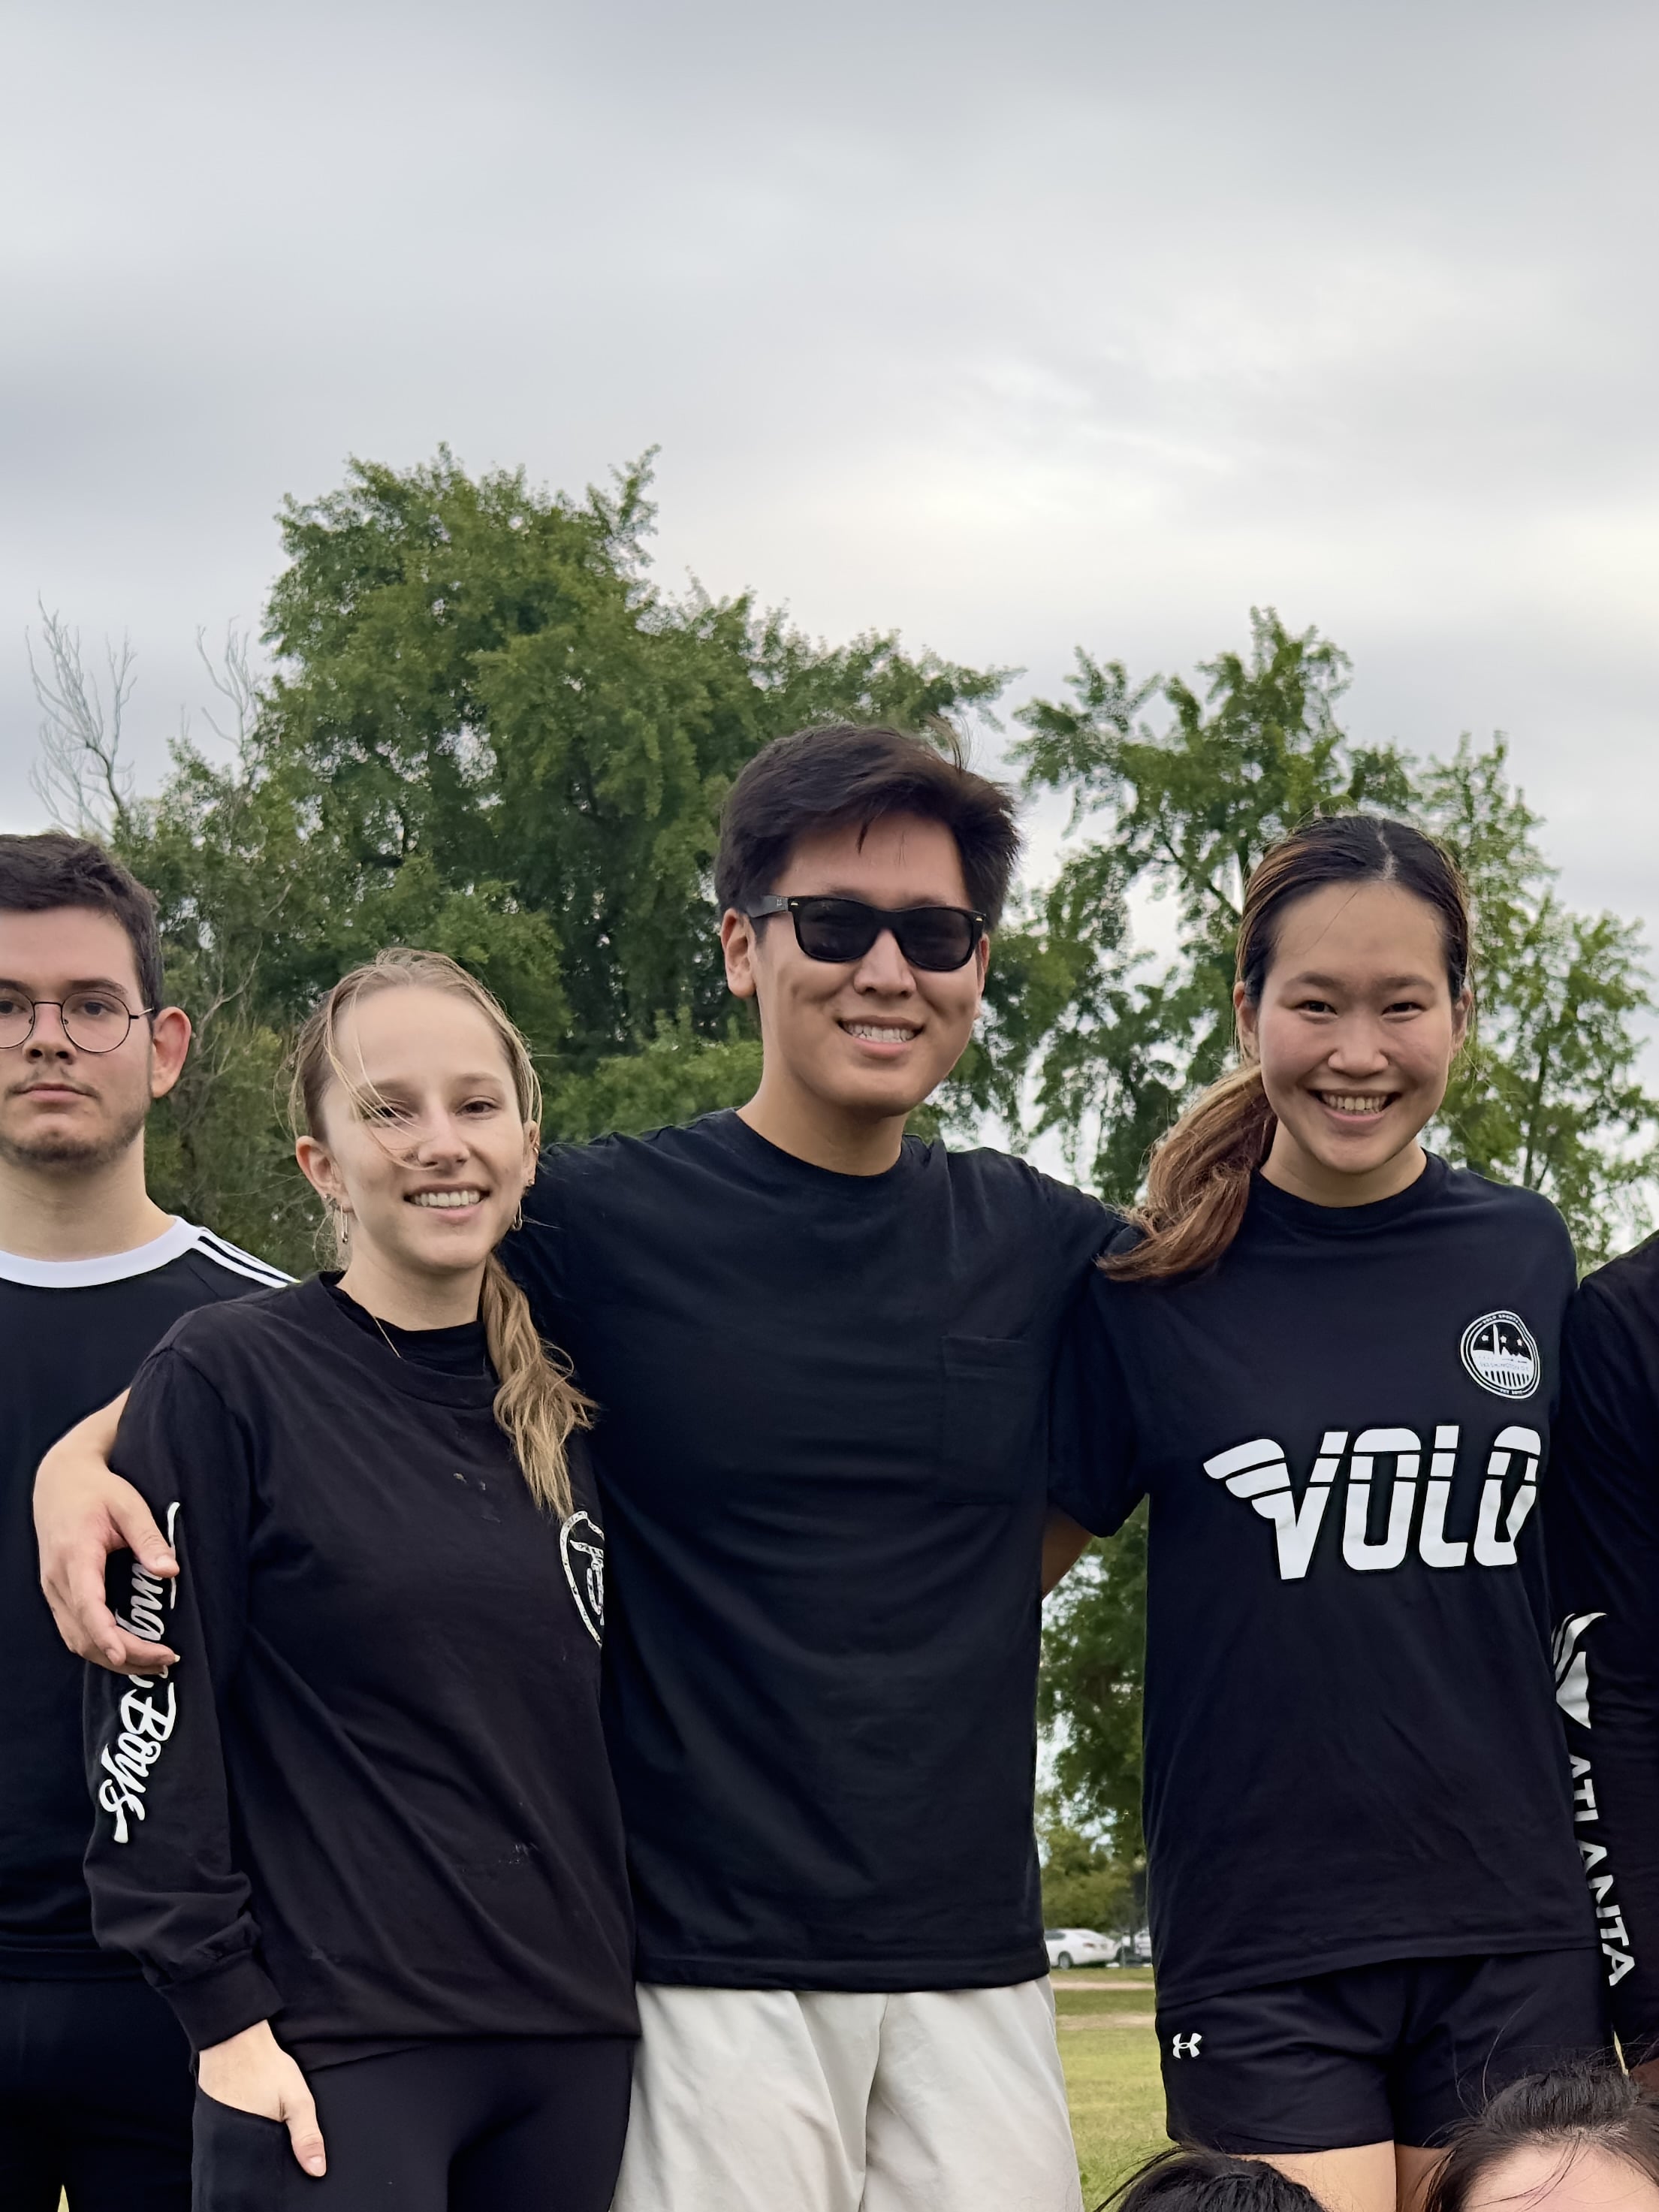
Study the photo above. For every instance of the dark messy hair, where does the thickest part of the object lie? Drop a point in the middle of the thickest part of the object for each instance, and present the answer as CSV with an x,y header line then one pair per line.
x,y
1199,1182
1592,2106
54,869
1191,2180
842,777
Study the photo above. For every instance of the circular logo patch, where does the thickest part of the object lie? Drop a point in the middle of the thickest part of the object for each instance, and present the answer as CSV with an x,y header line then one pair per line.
x,y
1499,1352
581,1544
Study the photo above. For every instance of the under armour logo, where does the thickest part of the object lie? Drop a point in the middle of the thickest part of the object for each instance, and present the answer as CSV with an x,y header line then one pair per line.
x,y
1185,2046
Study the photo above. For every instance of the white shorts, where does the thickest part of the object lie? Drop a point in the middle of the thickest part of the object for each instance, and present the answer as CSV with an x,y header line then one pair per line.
x,y
782,2100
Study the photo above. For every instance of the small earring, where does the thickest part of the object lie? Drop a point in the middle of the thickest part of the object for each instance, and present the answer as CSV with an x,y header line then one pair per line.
x,y
517,1221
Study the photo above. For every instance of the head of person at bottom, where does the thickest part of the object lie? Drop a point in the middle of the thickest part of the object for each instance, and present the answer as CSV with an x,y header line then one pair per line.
x,y
1352,999
1582,2138
416,1110
1191,2180
87,1042
861,875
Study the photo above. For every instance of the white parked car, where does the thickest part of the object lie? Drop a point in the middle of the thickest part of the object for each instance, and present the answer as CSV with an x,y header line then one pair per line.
x,y
1078,1946
1138,1948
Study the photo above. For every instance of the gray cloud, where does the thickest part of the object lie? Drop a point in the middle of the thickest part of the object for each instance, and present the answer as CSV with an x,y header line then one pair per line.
x,y
1018,328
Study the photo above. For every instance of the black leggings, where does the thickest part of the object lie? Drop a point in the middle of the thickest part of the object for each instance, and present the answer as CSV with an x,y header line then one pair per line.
x,y
95,2099
498,2124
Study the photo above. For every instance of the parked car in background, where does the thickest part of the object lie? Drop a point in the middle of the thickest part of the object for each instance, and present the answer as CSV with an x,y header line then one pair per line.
x,y
1078,1946
1138,1948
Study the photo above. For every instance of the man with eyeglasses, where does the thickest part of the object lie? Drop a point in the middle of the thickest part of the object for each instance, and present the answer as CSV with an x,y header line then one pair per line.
x,y
821,1348
95,2093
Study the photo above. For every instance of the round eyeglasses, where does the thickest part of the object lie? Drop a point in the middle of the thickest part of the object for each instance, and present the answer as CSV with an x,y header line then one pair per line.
x,y
93,1021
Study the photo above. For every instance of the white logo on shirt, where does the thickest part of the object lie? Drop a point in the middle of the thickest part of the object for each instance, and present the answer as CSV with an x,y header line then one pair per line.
x,y
1259,1473
582,1547
148,1709
1499,1352
1572,1694
1185,2046
1573,1667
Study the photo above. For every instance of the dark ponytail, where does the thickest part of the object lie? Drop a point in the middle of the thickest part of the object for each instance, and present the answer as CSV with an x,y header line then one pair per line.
x,y
1199,1181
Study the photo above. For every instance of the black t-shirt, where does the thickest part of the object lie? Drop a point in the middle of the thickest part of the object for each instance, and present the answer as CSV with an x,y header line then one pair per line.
x,y
371,1802
72,1334
1602,1522
822,1458
1351,1751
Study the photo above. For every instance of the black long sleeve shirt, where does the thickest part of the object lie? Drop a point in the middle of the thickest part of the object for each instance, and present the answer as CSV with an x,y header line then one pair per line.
x,y
371,1802
1602,1520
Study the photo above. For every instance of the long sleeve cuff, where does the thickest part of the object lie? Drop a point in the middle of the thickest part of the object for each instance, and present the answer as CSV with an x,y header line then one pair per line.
x,y
235,1993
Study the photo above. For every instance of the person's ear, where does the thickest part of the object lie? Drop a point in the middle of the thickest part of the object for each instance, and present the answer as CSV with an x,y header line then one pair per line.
x,y
1462,1015
317,1166
1247,1017
169,1041
532,1147
740,942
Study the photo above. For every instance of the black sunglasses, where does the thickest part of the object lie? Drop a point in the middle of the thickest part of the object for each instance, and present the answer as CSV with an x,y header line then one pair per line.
x,y
939,937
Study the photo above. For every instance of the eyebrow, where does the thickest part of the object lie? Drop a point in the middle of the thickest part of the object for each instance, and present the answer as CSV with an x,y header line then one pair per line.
x,y
78,983
1342,983
411,1082
863,898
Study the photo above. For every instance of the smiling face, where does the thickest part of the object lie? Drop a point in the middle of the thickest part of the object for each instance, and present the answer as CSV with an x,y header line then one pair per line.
x,y
428,1166
865,1041
1355,1033
62,1109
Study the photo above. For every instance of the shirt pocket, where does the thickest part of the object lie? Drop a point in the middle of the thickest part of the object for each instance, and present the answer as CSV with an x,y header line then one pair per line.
x,y
990,1428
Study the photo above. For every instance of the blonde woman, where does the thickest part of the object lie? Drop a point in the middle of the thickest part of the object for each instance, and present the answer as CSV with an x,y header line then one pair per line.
x,y
363,1835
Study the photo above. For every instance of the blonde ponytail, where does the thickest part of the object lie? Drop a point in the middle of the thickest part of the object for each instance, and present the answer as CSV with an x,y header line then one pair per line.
x,y
537,1406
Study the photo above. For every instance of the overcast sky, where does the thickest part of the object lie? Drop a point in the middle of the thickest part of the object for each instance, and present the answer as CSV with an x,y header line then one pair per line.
x,y
1017,327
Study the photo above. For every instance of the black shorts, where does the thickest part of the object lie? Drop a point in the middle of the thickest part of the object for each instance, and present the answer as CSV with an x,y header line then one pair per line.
x,y
1397,2053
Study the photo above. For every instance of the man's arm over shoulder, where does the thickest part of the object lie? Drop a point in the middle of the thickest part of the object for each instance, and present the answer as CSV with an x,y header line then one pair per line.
x,y
82,1512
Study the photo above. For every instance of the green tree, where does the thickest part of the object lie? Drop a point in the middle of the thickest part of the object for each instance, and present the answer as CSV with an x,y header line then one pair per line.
x,y
1547,1094
480,682
1085,1883
1089,1695
488,730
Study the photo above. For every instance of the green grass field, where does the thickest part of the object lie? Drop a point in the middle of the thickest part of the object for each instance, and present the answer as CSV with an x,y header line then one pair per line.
x,y
1111,2074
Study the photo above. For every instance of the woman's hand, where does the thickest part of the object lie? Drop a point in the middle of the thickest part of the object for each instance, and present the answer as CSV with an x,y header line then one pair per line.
x,y
82,1512
252,2072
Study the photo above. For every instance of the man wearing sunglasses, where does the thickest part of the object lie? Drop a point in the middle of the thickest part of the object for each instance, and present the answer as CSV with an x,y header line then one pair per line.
x,y
822,1349
95,2093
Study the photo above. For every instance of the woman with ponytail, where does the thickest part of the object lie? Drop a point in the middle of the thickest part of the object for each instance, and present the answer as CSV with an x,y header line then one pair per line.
x,y
362,1834
1329,1361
